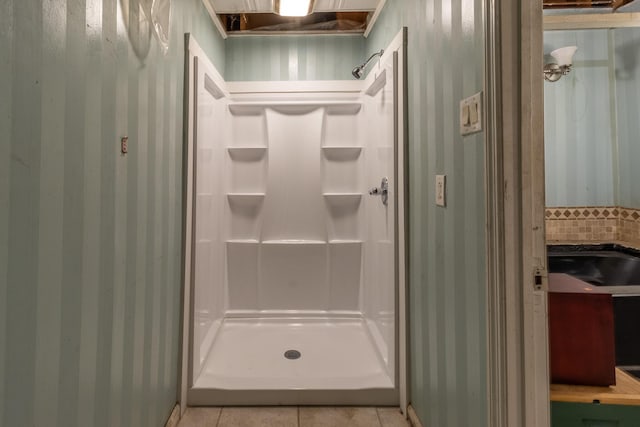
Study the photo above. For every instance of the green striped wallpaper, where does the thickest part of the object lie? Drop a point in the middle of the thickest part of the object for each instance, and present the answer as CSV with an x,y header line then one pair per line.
x,y
627,42
447,245
580,129
591,122
90,240
268,58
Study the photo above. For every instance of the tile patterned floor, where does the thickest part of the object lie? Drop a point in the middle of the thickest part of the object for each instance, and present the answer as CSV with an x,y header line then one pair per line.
x,y
294,417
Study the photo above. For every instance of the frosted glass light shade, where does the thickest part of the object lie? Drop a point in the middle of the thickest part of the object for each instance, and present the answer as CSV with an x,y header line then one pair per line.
x,y
294,7
564,55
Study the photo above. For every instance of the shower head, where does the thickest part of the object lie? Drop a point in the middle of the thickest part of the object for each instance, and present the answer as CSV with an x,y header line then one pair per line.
x,y
359,70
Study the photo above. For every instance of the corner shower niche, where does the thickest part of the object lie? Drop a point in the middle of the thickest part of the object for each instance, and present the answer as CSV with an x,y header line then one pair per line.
x,y
294,174
287,250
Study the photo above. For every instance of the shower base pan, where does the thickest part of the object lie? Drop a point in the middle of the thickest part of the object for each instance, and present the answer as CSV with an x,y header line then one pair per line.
x,y
255,362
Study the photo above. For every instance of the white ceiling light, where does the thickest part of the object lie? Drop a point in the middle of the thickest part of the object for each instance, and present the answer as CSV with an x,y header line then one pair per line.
x,y
294,7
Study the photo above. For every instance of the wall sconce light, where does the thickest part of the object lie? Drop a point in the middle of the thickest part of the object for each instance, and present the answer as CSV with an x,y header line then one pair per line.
x,y
564,59
294,7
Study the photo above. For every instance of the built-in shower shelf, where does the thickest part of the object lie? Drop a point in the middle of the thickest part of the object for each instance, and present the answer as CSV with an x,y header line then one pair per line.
x,y
243,241
294,107
247,154
294,242
344,241
341,152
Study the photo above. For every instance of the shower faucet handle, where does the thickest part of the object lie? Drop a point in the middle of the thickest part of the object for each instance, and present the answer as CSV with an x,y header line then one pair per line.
x,y
382,191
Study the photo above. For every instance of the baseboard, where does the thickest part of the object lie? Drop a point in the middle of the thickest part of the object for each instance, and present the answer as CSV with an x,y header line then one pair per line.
x,y
413,417
174,418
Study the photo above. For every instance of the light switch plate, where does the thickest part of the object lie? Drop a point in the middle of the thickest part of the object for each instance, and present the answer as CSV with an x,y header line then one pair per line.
x,y
441,190
471,114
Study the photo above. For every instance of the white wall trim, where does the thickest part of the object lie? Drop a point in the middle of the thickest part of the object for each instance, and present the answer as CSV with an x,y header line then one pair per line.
x,y
214,18
494,177
591,21
192,52
187,203
399,45
350,86
533,255
403,212
174,418
413,417
518,378
315,33
374,18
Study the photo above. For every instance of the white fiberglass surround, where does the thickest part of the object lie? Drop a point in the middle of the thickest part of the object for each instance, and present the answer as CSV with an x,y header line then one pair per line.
x,y
288,249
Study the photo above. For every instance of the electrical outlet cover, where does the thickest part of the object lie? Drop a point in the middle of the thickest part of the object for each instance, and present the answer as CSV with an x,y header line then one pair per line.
x,y
441,190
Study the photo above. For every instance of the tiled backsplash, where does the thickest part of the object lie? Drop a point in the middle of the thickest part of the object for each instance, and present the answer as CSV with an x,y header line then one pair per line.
x,y
601,224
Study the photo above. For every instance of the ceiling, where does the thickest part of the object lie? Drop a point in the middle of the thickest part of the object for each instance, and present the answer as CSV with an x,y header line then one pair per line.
x,y
267,6
249,17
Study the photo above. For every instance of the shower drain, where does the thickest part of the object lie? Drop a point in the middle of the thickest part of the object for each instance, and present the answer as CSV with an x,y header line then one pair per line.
x,y
292,354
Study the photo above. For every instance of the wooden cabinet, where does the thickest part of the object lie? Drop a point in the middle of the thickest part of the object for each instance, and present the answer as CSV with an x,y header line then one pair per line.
x,y
567,414
589,4
581,333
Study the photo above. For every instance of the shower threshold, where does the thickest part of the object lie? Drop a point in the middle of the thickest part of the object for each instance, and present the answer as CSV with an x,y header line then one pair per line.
x,y
294,354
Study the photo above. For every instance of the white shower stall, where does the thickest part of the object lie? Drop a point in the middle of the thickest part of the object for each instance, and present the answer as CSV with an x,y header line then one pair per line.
x,y
294,251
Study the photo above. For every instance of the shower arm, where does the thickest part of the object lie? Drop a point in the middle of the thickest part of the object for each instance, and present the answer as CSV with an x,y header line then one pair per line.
x,y
373,56
357,72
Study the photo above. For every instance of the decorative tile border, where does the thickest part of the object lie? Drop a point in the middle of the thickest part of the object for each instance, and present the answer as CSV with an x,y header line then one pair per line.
x,y
600,212
629,227
602,224
633,214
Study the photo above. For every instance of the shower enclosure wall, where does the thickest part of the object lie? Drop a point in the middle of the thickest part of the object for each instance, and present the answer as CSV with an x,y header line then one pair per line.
x,y
293,267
